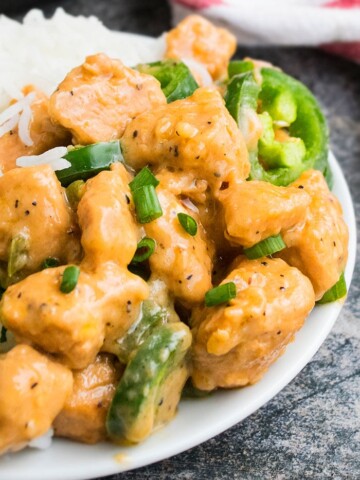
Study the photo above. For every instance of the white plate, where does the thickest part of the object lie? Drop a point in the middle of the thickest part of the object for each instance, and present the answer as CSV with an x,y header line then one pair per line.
x,y
197,420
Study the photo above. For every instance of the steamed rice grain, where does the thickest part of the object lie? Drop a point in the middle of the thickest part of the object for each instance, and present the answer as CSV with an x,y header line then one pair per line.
x,y
42,51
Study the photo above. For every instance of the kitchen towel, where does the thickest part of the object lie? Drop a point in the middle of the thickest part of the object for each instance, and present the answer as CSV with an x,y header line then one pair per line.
x,y
331,24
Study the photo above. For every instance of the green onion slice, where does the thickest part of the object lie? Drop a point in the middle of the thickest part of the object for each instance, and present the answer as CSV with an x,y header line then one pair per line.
x,y
147,204
221,294
50,262
3,337
336,292
188,223
143,178
145,248
265,247
69,279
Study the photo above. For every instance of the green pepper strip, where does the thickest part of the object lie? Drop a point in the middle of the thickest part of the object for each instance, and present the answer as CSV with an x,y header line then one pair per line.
x,y
289,101
88,161
152,316
241,94
136,396
175,78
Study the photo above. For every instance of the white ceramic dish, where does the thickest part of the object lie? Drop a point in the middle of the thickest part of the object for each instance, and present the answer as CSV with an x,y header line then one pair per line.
x,y
197,420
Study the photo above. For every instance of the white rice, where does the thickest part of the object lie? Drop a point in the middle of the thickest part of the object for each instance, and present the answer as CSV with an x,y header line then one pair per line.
x,y
42,51
52,157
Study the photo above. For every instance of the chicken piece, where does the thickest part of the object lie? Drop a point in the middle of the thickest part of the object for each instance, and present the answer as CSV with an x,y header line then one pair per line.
x,y
194,194
234,344
196,38
84,414
44,134
318,247
73,326
34,208
33,391
257,210
107,298
98,99
181,260
196,135
109,230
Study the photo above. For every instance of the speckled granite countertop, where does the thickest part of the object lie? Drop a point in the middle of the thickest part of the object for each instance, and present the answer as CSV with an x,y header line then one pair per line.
x,y
311,430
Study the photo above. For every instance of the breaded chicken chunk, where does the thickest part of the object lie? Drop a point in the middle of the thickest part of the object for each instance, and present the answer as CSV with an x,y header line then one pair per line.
x,y
36,220
318,246
257,210
98,99
33,391
196,135
182,261
198,39
107,297
235,343
84,413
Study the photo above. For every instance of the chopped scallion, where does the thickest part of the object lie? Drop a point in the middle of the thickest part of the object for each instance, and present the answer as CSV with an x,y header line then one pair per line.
x,y
147,204
221,294
265,247
336,292
188,223
50,262
3,337
69,279
145,249
143,178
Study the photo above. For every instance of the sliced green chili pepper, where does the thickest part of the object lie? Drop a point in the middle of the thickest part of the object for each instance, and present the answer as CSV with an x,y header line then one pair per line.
x,y
309,125
241,100
89,161
287,154
289,104
237,67
175,78
242,92
133,411
152,316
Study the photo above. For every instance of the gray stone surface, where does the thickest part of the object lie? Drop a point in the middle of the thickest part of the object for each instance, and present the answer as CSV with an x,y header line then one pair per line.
x,y
311,430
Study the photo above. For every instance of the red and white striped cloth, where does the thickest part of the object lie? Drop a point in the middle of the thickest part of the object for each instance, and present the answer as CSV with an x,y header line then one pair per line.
x,y
333,24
